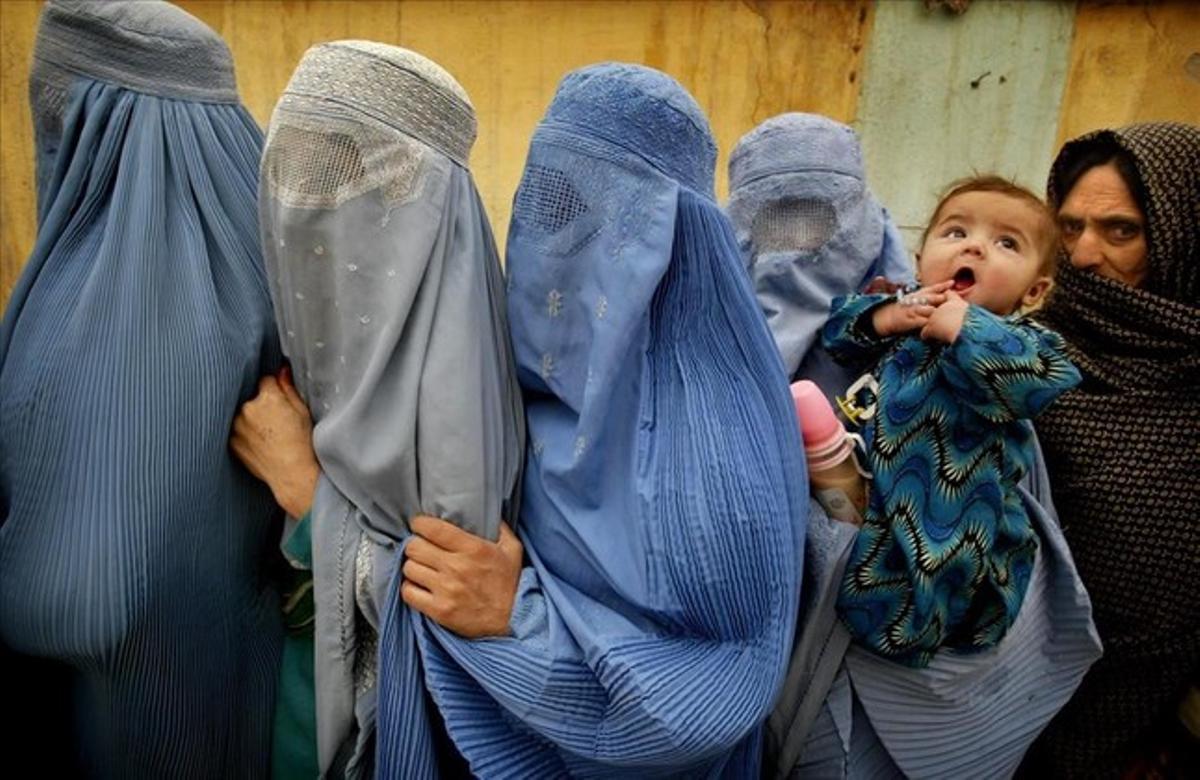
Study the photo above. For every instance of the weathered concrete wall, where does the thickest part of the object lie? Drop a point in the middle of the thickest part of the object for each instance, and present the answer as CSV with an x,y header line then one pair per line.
x,y
945,96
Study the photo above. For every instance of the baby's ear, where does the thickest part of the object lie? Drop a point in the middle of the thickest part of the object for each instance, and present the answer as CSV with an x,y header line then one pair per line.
x,y
1036,293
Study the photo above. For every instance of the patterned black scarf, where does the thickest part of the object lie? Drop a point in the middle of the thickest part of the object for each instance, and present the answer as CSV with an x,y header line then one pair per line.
x,y
1124,456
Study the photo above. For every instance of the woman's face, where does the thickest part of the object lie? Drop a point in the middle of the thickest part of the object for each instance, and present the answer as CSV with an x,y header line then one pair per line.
x,y
1103,229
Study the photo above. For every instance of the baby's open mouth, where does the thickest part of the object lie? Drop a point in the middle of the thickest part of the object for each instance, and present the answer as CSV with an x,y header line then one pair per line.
x,y
964,279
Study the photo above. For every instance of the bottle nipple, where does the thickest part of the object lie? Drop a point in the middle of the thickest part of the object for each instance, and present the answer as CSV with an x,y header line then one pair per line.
x,y
818,424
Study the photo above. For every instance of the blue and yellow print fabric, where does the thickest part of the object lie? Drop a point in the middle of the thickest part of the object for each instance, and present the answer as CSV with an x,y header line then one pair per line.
x,y
946,549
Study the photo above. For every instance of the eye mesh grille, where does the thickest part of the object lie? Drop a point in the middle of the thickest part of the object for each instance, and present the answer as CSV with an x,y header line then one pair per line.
x,y
49,90
793,224
312,163
547,200
324,163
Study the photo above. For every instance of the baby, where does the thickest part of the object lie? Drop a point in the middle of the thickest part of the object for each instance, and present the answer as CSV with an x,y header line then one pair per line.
x,y
946,549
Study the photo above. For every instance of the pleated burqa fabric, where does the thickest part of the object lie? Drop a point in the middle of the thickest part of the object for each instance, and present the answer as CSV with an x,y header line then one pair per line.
x,y
132,545
810,230
664,498
390,300
847,713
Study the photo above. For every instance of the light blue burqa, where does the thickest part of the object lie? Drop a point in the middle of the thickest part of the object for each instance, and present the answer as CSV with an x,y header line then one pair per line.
x,y
664,504
810,231
132,545
847,713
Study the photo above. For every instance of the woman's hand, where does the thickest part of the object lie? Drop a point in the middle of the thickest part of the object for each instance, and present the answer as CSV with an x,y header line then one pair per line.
x,y
465,583
272,437
911,312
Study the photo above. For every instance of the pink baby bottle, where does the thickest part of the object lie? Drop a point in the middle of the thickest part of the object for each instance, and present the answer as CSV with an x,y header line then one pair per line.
x,y
838,483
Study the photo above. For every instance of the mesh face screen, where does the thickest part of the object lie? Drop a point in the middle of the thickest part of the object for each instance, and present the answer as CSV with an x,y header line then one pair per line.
x,y
48,91
547,200
792,224
324,166
313,163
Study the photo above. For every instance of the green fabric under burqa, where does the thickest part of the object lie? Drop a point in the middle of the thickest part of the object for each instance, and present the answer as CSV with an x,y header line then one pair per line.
x,y
1123,451
294,730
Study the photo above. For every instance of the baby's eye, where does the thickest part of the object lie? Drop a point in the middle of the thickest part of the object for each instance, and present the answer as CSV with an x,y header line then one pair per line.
x,y
1009,243
955,232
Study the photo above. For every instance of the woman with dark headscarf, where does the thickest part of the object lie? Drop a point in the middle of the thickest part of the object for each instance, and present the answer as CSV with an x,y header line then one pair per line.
x,y
1123,449
131,543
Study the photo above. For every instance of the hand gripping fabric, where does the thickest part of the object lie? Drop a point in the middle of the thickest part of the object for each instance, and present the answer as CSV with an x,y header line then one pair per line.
x,y
390,300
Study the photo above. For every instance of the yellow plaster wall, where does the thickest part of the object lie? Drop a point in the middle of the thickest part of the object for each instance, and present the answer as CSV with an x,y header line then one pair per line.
x,y
1132,62
743,61
17,203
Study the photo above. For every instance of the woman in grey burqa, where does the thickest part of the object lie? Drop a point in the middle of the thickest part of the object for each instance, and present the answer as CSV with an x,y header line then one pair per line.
x,y
139,632
390,301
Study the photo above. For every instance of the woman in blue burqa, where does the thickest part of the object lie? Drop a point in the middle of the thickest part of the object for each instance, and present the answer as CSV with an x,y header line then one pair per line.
x,y
134,607
810,230
814,232
663,504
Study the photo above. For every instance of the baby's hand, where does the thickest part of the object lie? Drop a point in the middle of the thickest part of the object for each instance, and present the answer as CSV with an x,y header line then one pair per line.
x,y
911,312
946,322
